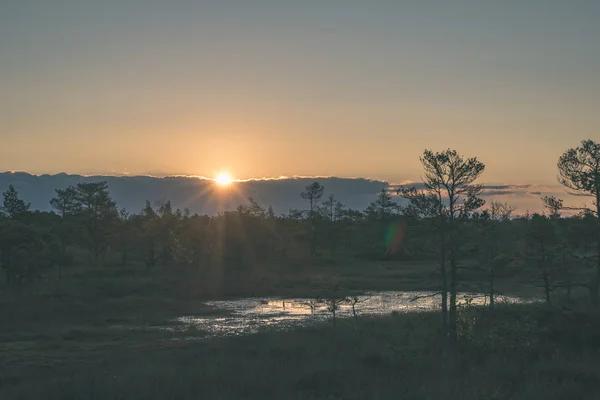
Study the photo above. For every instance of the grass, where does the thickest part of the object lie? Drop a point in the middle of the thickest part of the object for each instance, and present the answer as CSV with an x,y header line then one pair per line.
x,y
99,334
378,358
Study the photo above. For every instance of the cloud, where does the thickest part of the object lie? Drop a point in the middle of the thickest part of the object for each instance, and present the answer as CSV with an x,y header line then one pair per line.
x,y
201,195
506,187
492,193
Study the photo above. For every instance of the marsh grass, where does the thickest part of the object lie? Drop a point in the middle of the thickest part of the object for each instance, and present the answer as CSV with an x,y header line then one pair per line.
x,y
111,336
507,355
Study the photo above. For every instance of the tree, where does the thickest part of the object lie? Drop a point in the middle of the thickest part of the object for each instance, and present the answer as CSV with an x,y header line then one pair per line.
x,y
124,236
450,195
167,233
579,173
98,212
22,252
253,209
13,206
383,208
149,226
67,206
553,205
66,202
313,194
541,239
333,208
492,220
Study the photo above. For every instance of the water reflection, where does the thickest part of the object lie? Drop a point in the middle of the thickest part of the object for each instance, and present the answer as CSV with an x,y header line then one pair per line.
x,y
249,315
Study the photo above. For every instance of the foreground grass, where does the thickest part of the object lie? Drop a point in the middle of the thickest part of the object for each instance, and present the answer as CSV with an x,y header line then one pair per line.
x,y
99,334
521,352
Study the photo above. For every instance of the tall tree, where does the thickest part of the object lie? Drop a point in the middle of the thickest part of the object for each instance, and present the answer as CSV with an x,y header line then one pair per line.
x,y
579,173
428,205
67,206
13,206
449,186
383,208
98,212
333,208
149,226
313,194
65,202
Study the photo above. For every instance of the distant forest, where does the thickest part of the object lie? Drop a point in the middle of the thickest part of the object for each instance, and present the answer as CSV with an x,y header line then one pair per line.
x,y
445,221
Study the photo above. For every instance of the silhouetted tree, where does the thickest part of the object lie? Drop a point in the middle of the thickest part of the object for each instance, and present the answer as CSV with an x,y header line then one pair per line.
x,y
451,193
383,208
67,206
124,236
98,213
579,172
492,236
13,206
428,205
252,208
553,205
541,239
332,210
66,202
313,194
149,226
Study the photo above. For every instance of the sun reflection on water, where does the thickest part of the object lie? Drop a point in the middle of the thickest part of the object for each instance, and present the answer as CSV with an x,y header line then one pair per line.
x,y
251,315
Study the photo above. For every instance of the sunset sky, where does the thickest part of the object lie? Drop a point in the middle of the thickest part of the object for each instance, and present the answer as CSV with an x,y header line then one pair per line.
x,y
269,88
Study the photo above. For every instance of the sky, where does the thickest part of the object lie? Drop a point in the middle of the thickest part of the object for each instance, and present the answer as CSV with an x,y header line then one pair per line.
x,y
280,88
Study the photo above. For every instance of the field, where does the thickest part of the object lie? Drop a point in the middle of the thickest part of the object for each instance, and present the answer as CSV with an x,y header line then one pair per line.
x,y
95,334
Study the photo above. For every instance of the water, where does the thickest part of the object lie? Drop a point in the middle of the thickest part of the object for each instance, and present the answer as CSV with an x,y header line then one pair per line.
x,y
250,315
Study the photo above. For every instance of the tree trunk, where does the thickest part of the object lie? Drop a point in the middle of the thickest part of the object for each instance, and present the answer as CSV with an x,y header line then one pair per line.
x,y
547,289
453,270
444,284
545,275
453,309
492,275
492,290
595,289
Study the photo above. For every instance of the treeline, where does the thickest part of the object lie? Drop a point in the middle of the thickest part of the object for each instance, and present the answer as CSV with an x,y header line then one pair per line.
x,y
86,225
445,221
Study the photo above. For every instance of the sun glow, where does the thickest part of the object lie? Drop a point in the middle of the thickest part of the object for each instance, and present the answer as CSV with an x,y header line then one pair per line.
x,y
224,179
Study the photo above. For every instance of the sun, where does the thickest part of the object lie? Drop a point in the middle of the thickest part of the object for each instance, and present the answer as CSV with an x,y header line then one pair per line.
x,y
223,179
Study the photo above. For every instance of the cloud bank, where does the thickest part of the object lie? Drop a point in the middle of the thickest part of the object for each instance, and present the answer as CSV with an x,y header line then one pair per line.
x,y
201,195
